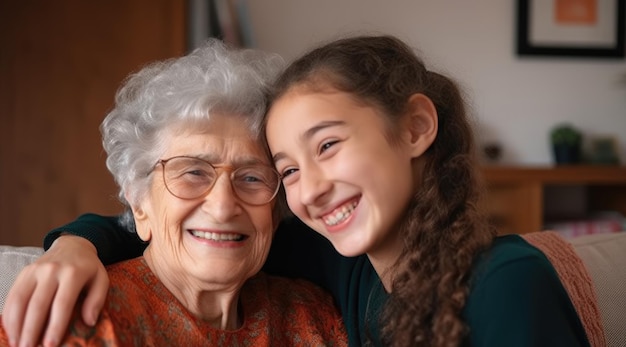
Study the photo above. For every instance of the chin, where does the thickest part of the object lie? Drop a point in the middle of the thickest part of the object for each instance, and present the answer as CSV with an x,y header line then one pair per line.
x,y
348,250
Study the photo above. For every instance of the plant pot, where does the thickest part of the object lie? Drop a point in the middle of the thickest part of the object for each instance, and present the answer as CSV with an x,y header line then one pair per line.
x,y
566,154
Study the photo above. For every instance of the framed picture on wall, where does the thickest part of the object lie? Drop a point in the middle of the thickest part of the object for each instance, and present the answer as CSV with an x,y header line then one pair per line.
x,y
574,28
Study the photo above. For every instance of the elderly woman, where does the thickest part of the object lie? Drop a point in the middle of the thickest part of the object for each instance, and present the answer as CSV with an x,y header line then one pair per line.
x,y
184,145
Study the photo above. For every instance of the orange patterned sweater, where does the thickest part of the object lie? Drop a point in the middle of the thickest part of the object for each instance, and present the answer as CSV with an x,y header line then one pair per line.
x,y
140,311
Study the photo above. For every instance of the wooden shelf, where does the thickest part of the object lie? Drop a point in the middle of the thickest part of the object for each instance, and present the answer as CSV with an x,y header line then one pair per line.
x,y
516,196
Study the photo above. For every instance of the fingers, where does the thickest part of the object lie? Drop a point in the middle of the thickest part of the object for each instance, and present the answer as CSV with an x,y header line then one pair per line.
x,y
67,295
95,297
61,310
36,312
45,292
15,308
26,308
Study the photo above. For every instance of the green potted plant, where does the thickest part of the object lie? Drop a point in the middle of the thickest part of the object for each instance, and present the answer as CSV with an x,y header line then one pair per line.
x,y
566,144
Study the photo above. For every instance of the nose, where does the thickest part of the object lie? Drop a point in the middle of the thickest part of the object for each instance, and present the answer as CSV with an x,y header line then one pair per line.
x,y
221,202
313,185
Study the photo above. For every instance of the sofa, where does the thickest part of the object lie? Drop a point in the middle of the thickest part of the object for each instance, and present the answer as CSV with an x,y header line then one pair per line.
x,y
604,256
593,268
12,260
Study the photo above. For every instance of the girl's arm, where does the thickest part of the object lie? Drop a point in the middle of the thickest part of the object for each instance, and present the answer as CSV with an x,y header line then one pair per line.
x,y
113,242
74,264
45,292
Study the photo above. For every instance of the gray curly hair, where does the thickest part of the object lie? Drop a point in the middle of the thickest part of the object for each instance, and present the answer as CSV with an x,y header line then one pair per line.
x,y
214,78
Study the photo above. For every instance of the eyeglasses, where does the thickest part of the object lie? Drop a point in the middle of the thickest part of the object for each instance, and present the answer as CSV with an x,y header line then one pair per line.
x,y
190,178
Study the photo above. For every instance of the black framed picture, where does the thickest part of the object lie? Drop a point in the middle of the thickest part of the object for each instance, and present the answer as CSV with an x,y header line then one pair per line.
x,y
573,28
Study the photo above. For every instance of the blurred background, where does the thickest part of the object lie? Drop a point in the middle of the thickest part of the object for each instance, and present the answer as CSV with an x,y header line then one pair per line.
x,y
62,61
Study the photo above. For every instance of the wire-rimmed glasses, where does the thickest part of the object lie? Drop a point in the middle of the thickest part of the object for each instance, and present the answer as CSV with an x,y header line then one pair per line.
x,y
190,178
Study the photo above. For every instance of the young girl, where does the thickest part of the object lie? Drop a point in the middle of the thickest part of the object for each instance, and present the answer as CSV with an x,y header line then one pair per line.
x,y
376,154
379,160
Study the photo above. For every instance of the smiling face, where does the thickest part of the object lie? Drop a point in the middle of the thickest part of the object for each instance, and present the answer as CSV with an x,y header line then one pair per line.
x,y
216,241
342,175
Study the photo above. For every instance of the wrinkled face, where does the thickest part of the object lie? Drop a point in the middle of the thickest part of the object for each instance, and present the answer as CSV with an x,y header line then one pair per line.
x,y
216,240
342,176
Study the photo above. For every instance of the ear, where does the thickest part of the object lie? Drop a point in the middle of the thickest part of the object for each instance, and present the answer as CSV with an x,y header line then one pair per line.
x,y
422,124
142,224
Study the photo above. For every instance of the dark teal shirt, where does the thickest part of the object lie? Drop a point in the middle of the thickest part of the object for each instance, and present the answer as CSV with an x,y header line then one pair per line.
x,y
516,298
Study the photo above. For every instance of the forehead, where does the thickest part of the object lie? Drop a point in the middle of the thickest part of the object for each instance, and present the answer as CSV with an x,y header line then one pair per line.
x,y
222,139
303,107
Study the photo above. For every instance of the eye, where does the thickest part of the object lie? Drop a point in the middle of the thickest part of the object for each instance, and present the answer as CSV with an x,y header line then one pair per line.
x,y
289,176
197,174
326,145
252,175
286,173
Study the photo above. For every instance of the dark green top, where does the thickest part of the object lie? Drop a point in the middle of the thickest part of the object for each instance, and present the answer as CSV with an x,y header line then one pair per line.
x,y
516,299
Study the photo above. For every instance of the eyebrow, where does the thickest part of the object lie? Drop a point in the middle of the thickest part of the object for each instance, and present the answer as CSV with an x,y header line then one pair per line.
x,y
322,125
241,161
307,135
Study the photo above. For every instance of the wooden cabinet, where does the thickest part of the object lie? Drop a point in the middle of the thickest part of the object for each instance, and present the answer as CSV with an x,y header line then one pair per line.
x,y
60,65
523,199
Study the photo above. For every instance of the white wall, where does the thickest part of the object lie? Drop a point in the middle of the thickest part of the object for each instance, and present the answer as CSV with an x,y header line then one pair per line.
x,y
515,100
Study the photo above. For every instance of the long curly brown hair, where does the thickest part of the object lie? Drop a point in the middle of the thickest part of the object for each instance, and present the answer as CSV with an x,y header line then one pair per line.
x,y
443,227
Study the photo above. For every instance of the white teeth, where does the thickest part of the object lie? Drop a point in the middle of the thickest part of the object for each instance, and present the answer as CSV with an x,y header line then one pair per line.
x,y
340,214
217,236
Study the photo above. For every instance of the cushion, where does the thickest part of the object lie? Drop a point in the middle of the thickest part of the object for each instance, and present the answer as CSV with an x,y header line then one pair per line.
x,y
12,260
604,256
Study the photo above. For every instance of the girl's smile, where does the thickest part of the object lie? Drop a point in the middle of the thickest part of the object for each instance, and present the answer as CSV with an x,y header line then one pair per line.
x,y
340,215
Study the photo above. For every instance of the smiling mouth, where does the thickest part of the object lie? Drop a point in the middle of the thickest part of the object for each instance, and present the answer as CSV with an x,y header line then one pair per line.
x,y
219,237
340,214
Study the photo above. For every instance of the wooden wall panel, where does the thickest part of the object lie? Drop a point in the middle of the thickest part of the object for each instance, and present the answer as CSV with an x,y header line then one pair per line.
x,y
60,65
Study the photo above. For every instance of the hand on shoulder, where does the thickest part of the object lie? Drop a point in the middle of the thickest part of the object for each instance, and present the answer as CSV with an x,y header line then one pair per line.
x,y
40,303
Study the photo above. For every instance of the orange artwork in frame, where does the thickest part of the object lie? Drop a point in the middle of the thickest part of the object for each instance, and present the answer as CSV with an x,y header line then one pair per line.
x,y
571,28
576,12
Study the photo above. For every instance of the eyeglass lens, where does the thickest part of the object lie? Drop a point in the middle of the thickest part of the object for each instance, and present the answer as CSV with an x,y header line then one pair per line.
x,y
190,178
